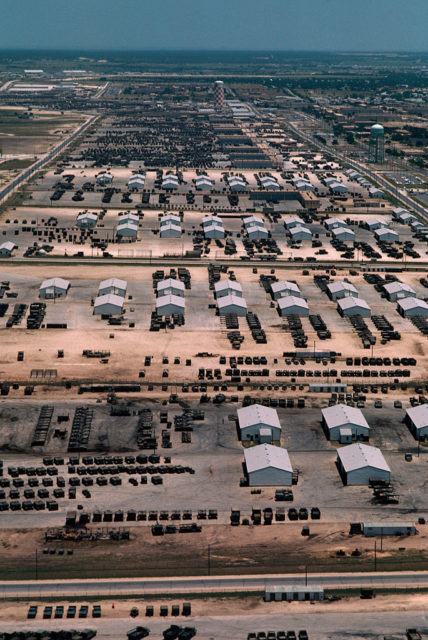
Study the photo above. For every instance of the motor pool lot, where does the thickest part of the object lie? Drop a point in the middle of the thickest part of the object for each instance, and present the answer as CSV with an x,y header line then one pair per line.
x,y
149,243
216,455
202,331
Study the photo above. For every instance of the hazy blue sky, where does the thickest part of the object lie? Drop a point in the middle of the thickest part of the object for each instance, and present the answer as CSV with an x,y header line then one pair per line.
x,y
357,25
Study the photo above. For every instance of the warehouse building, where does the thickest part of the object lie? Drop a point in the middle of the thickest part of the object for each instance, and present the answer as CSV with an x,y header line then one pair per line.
x,y
236,183
214,231
334,223
340,289
169,305
170,230
257,233
385,234
358,463
170,218
335,186
7,248
253,221
227,288
170,286
409,307
344,234
268,466
104,178
302,184
54,288
86,219
208,220
291,305
256,417
284,288
339,420
108,305
293,592
293,221
203,183
417,421
300,233
232,304
375,192
127,229
136,181
113,285
398,290
351,306
375,223
268,182
170,181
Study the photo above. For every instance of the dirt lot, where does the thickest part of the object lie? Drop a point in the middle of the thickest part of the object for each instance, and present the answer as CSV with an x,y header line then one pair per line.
x,y
248,550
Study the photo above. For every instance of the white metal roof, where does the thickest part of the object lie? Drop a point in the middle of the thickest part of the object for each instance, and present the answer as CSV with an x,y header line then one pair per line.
x,y
340,285
333,220
113,282
170,217
164,301
214,228
170,226
109,298
8,246
341,414
351,302
55,282
292,221
396,287
227,284
267,456
357,456
385,231
170,283
87,215
284,285
257,230
300,229
256,414
419,415
253,220
230,300
412,303
206,220
340,231
127,225
291,301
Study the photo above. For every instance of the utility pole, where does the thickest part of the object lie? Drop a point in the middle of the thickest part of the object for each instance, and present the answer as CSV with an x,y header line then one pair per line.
x,y
375,558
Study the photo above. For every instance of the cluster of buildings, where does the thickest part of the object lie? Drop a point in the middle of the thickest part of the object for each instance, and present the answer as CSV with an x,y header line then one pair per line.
x,y
255,228
170,226
297,229
127,227
213,227
339,229
229,298
170,297
110,299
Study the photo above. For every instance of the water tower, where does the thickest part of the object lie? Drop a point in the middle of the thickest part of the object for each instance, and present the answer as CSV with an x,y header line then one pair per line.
x,y
376,144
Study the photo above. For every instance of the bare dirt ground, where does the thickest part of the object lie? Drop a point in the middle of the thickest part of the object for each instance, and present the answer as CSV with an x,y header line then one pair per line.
x,y
273,549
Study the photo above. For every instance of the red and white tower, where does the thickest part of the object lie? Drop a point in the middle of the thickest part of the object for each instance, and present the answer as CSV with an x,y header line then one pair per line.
x,y
219,95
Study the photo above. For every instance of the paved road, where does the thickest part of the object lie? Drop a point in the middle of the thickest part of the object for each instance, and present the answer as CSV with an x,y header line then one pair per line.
x,y
205,584
325,625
